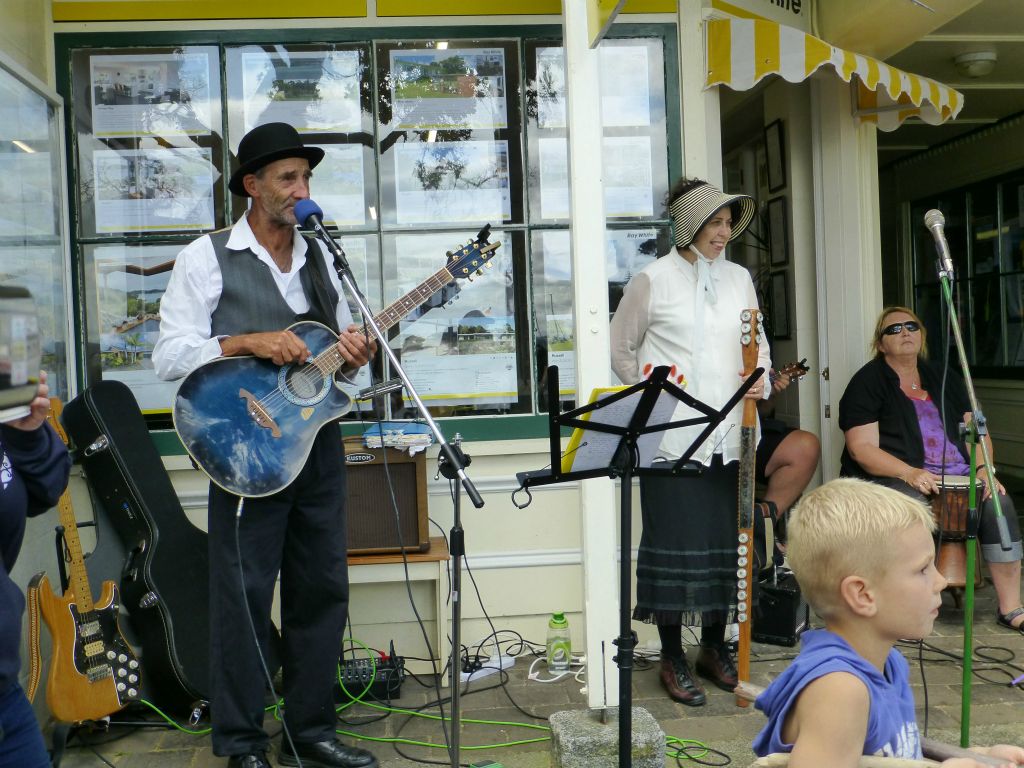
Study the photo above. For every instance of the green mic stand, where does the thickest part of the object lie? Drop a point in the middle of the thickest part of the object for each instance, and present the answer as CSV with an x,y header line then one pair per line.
x,y
977,431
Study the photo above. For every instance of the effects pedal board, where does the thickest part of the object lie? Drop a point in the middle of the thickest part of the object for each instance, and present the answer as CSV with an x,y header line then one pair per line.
x,y
364,679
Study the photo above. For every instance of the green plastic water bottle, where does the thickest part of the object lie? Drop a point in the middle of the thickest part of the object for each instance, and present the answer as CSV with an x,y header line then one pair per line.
x,y
559,643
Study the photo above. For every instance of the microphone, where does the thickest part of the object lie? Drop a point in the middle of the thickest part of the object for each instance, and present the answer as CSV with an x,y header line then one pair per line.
x,y
935,221
311,216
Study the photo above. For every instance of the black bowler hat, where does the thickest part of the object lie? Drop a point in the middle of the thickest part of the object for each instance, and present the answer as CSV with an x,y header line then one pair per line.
x,y
263,145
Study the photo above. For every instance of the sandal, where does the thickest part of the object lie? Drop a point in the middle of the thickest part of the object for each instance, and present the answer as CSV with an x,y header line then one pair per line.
x,y
1006,620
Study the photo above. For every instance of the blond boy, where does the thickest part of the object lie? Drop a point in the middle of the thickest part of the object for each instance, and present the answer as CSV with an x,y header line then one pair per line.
x,y
864,557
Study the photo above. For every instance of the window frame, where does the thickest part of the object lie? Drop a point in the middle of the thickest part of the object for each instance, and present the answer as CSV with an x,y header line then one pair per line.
x,y
508,427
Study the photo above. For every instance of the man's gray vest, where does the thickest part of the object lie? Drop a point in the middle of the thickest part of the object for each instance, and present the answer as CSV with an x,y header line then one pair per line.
x,y
250,301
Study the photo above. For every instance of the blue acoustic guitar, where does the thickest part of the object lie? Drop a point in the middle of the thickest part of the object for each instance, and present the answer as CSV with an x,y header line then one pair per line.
x,y
250,424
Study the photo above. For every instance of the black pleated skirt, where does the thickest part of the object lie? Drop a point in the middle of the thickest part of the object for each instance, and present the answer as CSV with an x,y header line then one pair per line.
x,y
686,564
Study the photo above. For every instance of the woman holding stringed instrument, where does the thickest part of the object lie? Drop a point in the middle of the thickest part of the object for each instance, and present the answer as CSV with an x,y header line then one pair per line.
x,y
902,430
683,310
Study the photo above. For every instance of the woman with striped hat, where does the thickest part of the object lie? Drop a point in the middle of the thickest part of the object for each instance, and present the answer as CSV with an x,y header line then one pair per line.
x,y
683,310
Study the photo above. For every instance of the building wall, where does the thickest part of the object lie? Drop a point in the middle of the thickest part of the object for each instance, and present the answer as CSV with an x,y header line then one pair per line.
x,y
526,563
25,36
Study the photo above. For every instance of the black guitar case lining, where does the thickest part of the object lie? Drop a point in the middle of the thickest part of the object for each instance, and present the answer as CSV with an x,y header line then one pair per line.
x,y
165,574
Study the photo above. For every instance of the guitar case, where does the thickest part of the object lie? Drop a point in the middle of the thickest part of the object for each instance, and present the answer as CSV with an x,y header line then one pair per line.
x,y
164,573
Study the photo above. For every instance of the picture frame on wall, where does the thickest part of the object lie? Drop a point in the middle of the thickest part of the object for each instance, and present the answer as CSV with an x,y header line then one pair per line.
x,y
778,316
775,156
778,232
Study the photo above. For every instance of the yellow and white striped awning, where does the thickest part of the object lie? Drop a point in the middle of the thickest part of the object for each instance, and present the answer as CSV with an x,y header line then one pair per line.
x,y
740,52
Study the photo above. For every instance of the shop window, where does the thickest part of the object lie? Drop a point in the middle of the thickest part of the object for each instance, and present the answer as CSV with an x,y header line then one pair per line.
x,y
33,241
985,231
426,141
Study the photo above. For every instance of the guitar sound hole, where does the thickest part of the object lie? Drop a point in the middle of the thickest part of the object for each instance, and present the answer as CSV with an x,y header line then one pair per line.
x,y
304,381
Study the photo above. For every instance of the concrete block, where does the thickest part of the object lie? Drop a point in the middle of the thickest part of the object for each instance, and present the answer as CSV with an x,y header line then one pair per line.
x,y
579,739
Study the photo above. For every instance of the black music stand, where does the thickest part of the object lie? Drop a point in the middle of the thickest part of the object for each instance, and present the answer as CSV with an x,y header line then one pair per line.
x,y
624,434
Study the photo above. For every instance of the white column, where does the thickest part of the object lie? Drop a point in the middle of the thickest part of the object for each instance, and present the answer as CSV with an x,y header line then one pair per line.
x,y
598,510
702,121
845,162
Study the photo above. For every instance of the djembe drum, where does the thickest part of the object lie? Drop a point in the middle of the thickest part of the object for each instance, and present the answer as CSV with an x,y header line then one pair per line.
x,y
949,507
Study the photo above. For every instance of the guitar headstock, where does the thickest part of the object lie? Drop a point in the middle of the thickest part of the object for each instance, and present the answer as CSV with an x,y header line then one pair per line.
x,y
795,371
751,335
468,261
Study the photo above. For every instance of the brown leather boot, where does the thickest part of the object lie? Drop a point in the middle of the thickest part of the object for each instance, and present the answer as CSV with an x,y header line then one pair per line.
x,y
677,680
715,663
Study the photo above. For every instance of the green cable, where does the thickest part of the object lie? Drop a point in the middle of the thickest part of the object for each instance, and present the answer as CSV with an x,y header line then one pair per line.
x,y
166,717
674,748
431,745
373,674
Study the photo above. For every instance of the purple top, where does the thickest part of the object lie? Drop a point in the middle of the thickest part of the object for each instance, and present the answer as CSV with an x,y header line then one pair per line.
x,y
939,452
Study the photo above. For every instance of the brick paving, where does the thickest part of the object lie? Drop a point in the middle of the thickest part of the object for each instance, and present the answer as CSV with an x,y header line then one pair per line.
x,y
997,712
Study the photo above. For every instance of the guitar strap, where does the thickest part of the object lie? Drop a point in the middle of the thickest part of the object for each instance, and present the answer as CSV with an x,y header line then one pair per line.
x,y
34,660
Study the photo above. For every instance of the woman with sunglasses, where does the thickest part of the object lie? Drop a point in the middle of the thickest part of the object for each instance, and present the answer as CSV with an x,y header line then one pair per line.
x,y
890,414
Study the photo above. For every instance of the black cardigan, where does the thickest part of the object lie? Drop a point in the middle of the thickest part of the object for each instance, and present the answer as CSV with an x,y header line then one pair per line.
x,y
874,395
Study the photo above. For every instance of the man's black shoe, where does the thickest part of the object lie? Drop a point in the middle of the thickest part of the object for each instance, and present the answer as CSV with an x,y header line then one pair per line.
x,y
251,760
326,754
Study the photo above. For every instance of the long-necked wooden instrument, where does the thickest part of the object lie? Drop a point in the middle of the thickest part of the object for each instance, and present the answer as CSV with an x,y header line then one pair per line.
x,y
93,670
750,329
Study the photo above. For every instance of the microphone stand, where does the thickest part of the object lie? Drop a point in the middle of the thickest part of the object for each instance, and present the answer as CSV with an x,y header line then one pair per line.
x,y
457,548
976,431
451,461
345,275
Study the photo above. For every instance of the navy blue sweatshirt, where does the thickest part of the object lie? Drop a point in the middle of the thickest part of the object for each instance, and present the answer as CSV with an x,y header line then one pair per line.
x,y
34,469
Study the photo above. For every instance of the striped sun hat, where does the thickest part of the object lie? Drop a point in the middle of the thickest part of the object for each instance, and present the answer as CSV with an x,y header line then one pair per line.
x,y
695,208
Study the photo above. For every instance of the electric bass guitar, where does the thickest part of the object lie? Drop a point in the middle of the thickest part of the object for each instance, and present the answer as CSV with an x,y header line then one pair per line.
x,y
750,330
250,424
93,670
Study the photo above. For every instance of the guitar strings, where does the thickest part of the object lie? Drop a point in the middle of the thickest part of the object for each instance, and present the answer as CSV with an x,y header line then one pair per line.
x,y
330,360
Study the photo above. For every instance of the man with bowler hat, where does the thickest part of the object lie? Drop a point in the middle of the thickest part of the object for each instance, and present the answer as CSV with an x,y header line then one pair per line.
x,y
235,292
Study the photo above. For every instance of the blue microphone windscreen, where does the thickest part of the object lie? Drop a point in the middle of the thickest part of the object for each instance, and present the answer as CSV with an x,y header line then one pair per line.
x,y
306,208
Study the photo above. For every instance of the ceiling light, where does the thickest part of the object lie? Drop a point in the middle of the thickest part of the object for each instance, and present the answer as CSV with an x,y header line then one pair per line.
x,y
975,63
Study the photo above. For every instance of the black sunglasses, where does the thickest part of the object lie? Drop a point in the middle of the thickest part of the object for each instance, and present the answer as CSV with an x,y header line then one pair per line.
x,y
897,328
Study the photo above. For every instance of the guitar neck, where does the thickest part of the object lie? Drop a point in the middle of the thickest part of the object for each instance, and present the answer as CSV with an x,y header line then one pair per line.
x,y
330,360
78,581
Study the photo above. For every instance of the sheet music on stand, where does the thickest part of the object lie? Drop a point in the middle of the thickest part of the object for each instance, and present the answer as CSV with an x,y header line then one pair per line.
x,y
593,449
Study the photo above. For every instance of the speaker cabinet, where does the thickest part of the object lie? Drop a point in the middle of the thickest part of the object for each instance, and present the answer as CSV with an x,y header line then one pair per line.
x,y
372,526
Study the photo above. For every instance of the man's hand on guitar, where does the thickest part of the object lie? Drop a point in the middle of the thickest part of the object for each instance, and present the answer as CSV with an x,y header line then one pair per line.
x,y
279,347
354,347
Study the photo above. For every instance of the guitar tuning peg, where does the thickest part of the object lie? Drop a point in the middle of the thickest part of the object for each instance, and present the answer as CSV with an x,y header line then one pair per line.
x,y
449,254
488,265
480,272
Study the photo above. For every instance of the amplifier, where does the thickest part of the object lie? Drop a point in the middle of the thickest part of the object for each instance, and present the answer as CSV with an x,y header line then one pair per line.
x,y
372,526
781,614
